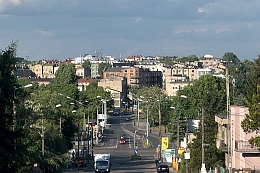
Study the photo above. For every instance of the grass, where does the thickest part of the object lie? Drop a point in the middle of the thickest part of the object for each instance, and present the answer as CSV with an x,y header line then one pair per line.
x,y
147,145
135,157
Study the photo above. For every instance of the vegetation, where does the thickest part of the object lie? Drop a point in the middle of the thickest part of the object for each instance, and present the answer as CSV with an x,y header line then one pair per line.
x,y
252,121
135,157
33,127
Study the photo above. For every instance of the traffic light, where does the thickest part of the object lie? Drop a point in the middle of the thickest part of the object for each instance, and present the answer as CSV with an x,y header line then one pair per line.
x,y
165,130
135,143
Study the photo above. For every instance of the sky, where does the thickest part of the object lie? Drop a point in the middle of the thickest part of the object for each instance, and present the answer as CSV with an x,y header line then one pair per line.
x,y
61,29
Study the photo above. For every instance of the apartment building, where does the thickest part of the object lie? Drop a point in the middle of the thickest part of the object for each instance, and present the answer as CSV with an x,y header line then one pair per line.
x,y
48,70
83,72
239,154
136,76
38,70
117,86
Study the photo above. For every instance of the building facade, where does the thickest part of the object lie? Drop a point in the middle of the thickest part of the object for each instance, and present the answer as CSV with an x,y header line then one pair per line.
x,y
240,154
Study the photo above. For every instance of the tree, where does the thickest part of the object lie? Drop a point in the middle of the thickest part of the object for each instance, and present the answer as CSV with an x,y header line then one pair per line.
x,y
238,75
101,68
230,57
9,158
86,64
252,121
206,92
44,130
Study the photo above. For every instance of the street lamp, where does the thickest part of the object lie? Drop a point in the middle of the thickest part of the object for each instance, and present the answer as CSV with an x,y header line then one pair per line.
x,y
58,106
186,134
147,123
138,114
74,111
160,129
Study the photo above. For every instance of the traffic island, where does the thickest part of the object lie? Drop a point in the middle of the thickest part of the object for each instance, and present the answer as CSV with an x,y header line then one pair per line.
x,y
147,145
135,157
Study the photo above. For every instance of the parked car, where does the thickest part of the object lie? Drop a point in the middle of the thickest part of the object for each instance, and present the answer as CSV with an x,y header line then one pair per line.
x,y
121,141
163,168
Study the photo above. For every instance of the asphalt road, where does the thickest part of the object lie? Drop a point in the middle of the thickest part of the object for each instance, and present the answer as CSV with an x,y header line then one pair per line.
x,y
120,153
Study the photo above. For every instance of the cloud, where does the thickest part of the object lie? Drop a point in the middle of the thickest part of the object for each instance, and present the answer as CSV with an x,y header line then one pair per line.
x,y
45,33
138,19
5,4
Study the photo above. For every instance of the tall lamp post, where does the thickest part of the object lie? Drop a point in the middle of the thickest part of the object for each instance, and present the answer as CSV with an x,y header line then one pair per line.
x,y
186,135
160,129
138,114
147,123
74,111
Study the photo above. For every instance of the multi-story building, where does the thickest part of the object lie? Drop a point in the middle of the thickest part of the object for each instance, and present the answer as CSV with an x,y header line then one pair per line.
x,y
117,86
83,72
136,76
240,155
48,70
38,70
94,70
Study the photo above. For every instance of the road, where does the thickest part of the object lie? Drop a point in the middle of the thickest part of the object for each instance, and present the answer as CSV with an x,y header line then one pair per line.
x,y
120,153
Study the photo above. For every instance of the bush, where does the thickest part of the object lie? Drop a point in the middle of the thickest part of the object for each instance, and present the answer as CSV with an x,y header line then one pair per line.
x,y
135,157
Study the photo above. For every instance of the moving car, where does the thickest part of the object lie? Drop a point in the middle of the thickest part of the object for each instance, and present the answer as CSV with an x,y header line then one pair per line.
x,y
121,141
123,136
163,168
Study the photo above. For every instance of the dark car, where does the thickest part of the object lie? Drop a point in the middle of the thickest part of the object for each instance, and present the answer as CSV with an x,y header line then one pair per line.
x,y
123,136
163,168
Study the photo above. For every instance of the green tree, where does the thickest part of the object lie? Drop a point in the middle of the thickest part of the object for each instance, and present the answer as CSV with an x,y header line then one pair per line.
x,y
9,158
101,68
207,92
251,122
43,129
238,75
230,57
86,64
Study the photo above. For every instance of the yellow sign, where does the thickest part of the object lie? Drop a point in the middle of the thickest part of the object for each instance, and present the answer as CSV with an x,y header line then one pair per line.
x,y
164,143
180,150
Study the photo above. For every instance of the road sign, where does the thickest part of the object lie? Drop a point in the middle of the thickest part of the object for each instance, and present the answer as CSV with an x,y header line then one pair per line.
x,y
135,152
159,147
164,143
169,153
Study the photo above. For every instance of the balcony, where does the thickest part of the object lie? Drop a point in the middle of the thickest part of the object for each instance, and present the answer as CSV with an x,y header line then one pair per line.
x,y
222,145
245,147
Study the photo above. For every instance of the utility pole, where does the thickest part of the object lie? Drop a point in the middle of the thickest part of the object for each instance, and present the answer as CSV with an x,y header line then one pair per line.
x,y
138,115
203,168
229,161
186,136
160,131
43,162
178,130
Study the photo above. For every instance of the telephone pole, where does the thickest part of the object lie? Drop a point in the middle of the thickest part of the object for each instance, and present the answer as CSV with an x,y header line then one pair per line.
x,y
203,167
187,127
229,143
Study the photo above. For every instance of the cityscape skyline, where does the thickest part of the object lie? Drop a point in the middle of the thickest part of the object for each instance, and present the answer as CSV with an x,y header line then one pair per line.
x,y
62,29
